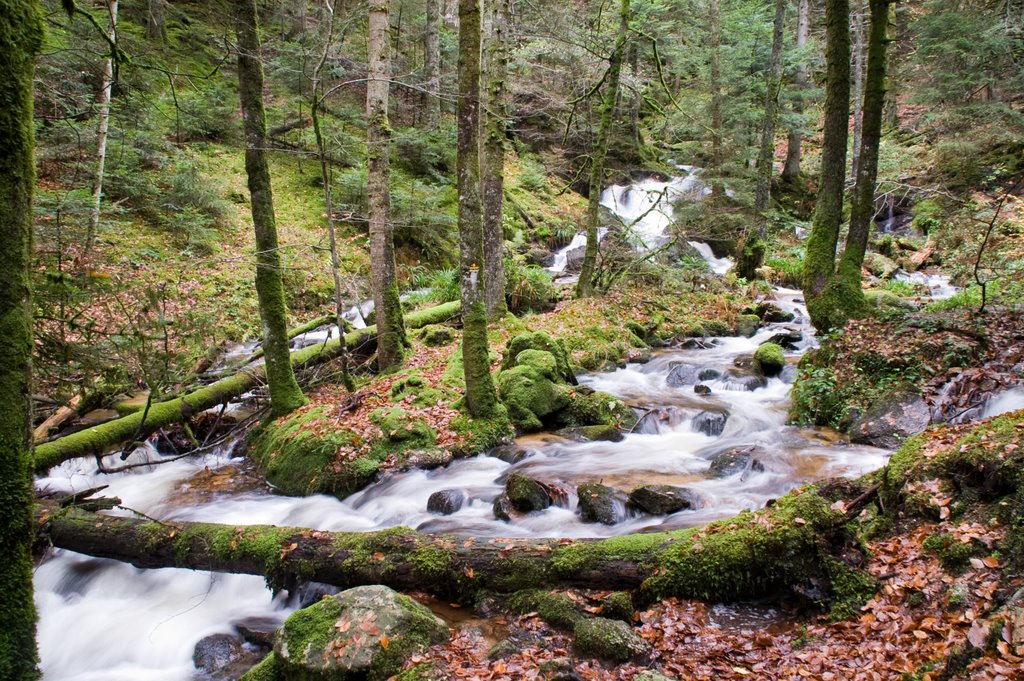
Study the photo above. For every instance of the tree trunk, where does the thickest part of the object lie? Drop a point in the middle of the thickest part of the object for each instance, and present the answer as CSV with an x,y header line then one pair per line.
x,y
387,306
492,161
751,248
21,34
857,20
791,170
862,210
432,65
156,20
481,398
285,394
820,257
717,121
96,440
103,103
747,557
588,271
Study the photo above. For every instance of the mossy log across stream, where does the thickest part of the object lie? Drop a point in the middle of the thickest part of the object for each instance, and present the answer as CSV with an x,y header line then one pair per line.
x,y
97,439
792,544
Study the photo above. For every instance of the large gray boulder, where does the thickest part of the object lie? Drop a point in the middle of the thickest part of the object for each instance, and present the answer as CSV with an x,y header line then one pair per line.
x,y
363,633
663,499
891,420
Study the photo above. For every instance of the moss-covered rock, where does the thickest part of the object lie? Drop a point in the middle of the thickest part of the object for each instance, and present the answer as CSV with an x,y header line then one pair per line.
x,y
266,670
526,494
663,499
529,394
402,427
363,633
435,335
747,325
618,605
611,640
599,503
587,407
769,359
540,340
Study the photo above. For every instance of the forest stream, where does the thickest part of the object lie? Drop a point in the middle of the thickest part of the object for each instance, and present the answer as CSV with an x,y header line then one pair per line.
x,y
139,625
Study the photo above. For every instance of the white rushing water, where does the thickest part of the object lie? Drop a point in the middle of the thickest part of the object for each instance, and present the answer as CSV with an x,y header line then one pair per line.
x,y
100,619
937,285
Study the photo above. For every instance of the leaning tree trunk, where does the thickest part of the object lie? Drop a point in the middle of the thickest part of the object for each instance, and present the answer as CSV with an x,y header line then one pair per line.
x,y
790,545
432,65
820,257
791,169
492,160
862,210
285,394
103,103
751,247
588,271
156,20
386,304
21,33
481,398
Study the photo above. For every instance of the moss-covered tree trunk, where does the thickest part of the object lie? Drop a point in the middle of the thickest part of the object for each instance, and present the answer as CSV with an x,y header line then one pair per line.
x,y
751,247
481,397
492,160
751,555
609,98
791,169
103,104
21,33
285,394
820,257
386,304
862,209
715,84
857,81
432,65
156,20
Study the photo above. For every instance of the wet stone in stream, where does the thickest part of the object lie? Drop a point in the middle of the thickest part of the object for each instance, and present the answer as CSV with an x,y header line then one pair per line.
x,y
600,503
735,461
663,499
711,423
446,501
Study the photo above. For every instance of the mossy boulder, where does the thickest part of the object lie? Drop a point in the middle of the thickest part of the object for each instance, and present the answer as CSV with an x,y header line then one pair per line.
x,y
735,461
363,633
526,494
436,335
663,499
266,670
880,266
607,433
542,341
618,605
611,640
530,394
747,325
769,359
588,407
403,427
599,503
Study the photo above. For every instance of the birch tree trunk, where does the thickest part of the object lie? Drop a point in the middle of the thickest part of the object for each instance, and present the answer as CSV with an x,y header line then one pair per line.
x,y
285,394
791,170
585,285
481,398
820,258
21,33
432,65
103,103
387,306
492,160
751,249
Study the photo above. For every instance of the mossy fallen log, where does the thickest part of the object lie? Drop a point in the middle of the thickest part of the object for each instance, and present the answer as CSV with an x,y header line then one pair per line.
x,y
98,439
794,544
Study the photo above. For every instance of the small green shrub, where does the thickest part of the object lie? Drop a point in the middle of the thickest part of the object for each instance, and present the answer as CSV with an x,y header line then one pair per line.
x,y
528,288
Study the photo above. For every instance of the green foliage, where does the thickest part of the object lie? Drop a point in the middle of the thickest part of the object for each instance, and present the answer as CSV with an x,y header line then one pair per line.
x,y
528,288
427,154
815,399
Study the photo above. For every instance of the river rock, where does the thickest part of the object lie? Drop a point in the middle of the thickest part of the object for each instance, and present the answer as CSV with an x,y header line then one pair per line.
x,y
880,266
743,379
258,631
708,374
446,501
786,339
660,419
734,461
702,389
770,313
526,494
747,325
891,420
610,640
363,633
600,503
591,434
789,374
511,454
682,374
663,499
711,423
215,653
769,359
308,593
502,508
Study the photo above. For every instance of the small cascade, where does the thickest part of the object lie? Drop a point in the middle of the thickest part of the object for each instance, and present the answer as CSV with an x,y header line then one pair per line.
x,y
937,285
1004,403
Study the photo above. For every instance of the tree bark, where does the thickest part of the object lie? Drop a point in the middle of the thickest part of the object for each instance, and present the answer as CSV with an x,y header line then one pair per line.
x,y
791,170
857,24
103,103
285,394
432,65
610,96
96,440
387,306
717,120
481,398
820,257
21,33
492,162
745,557
751,247
862,210
156,20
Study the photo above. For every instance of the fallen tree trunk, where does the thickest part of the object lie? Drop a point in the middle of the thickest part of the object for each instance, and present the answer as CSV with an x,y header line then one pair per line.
x,y
789,545
98,439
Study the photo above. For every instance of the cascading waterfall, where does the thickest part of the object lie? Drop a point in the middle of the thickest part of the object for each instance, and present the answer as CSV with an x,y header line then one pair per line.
x,y
132,624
